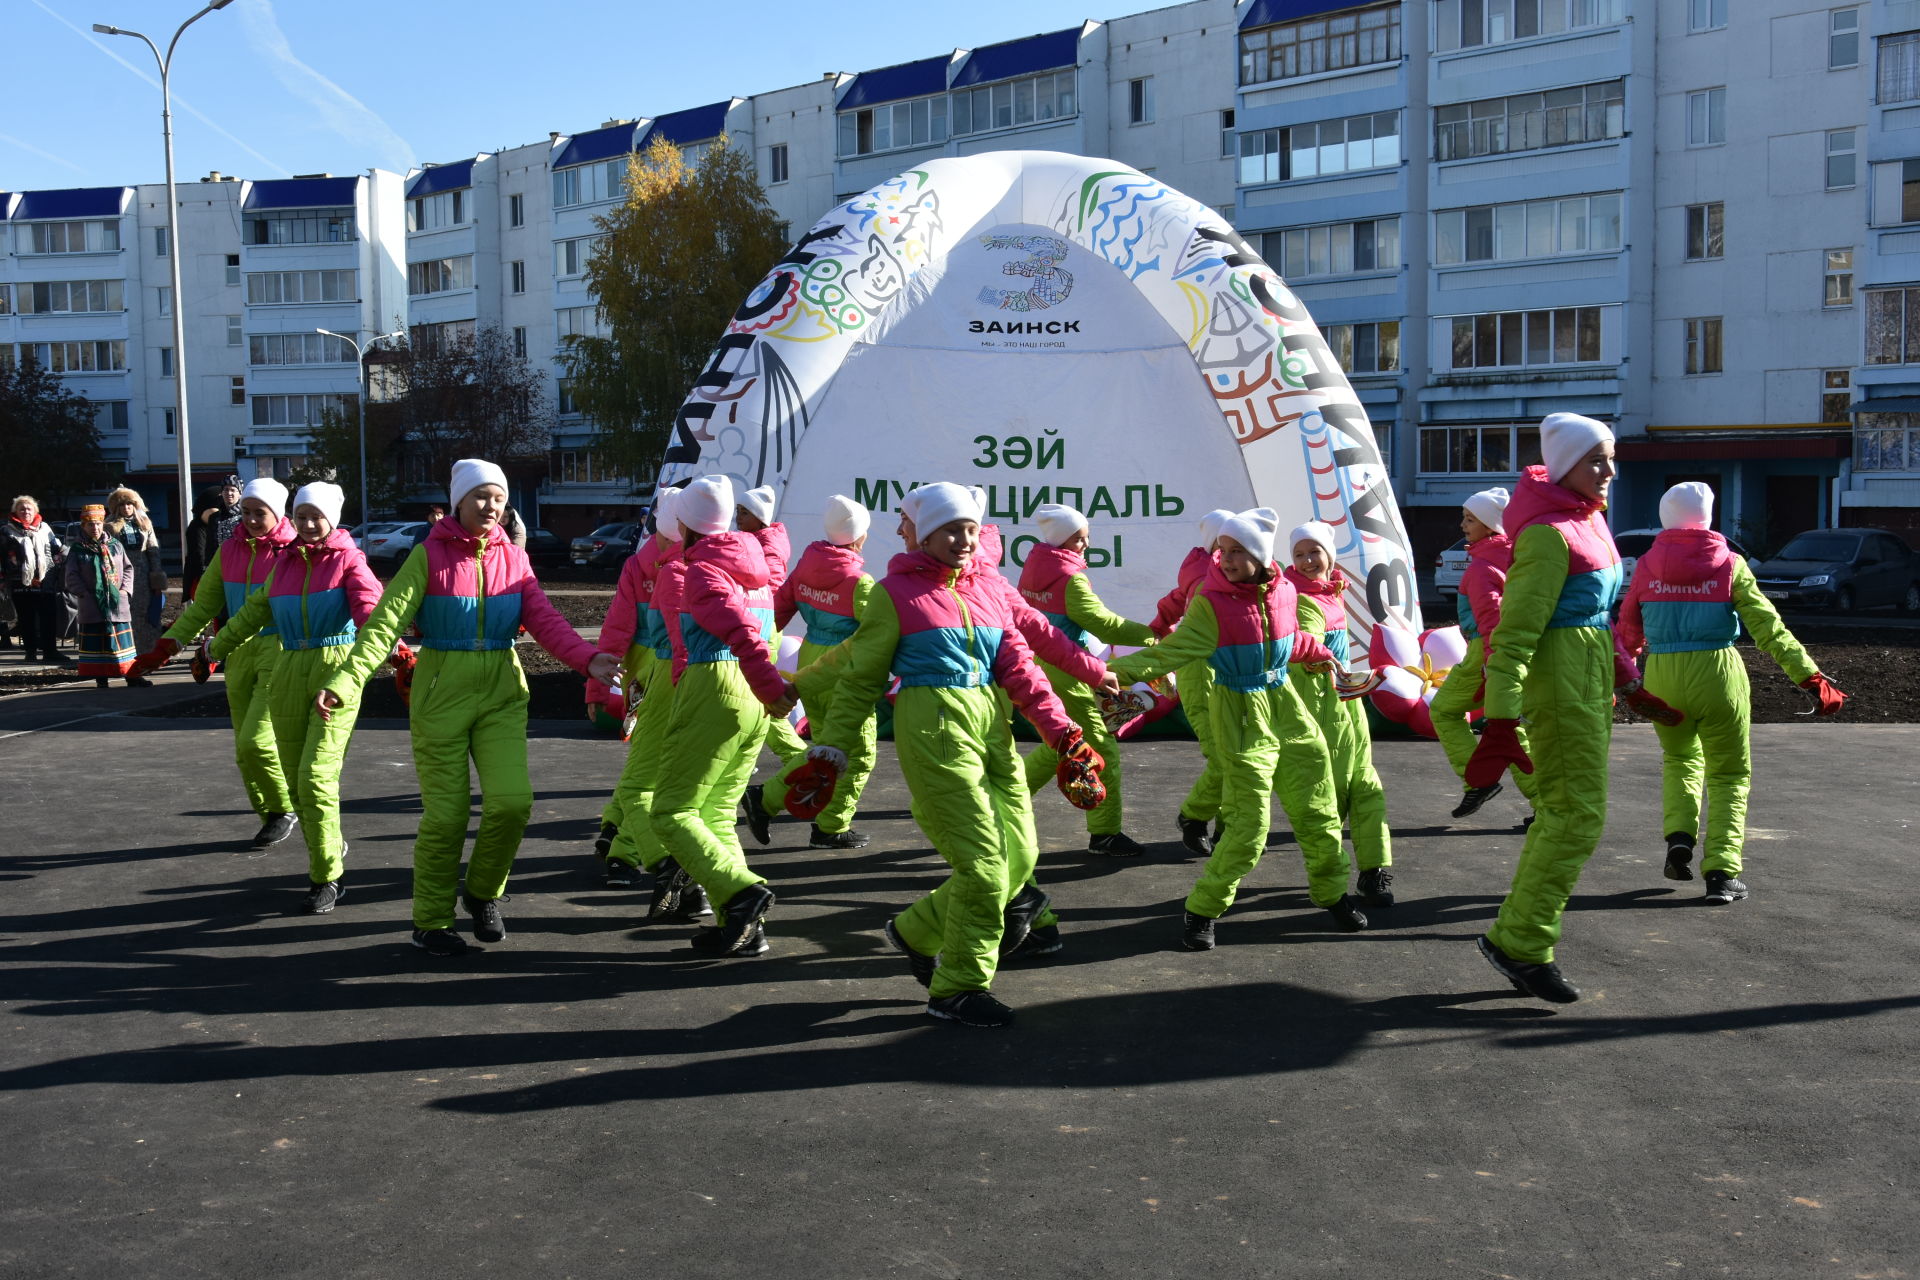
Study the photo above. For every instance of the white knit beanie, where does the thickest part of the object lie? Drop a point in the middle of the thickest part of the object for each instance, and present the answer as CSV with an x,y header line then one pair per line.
x,y
663,520
326,498
846,520
1489,507
1058,524
759,503
1211,524
1565,438
932,505
1255,530
1313,531
469,474
705,505
269,491
1687,506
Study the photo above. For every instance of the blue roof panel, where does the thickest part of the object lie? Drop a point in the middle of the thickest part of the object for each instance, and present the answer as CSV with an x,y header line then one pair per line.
x,y
1264,13
893,84
1020,58
695,124
75,202
304,193
442,177
600,144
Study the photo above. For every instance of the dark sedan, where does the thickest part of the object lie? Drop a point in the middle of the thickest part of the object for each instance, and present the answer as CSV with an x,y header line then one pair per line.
x,y
545,548
1842,569
606,547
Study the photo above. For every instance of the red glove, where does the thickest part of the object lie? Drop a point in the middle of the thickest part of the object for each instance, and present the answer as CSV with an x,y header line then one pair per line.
x,y
164,649
1653,708
203,666
403,662
1829,698
1498,748
810,785
1078,774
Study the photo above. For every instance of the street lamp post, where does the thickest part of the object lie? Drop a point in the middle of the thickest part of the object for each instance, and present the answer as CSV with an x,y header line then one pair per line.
x,y
360,364
173,256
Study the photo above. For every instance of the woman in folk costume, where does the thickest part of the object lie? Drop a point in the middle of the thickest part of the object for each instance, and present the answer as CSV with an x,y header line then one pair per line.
x,y
470,590
127,522
99,578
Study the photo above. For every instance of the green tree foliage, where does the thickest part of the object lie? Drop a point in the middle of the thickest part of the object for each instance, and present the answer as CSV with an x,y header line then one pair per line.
x,y
333,453
49,446
682,249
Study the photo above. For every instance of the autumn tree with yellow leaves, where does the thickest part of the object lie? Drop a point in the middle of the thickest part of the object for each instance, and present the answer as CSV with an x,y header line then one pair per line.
x,y
684,246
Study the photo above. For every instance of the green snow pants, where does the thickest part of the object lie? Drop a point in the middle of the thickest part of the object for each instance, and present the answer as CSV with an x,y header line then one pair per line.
x,y
1195,683
1710,751
636,670
1356,784
248,672
713,739
312,750
1083,708
637,845
1459,695
861,755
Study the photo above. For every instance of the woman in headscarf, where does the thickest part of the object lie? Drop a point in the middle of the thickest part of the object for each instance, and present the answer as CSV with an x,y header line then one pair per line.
x,y
99,579
129,525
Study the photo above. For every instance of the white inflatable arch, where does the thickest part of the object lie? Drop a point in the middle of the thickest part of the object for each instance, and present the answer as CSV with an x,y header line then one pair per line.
x,y
1053,328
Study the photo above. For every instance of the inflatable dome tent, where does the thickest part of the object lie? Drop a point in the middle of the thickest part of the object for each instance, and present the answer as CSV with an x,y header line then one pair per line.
x,y
1053,328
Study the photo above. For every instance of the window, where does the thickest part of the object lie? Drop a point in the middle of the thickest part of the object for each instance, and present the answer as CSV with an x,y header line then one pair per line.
x,y
1321,148
590,183
1335,249
293,411
1229,143
1893,326
1842,154
6,301
66,297
520,341
1706,231
517,277
585,321
1843,39
516,211
297,348
1004,105
233,268
235,336
110,415
1513,339
443,209
582,466
1527,229
1357,38
1836,395
236,390
315,226
1365,348
1896,192
166,362
446,335
1465,24
919,123
1706,15
166,421
1886,442
563,395
570,256
75,237
777,163
1839,279
1492,449
1703,344
439,275
1897,77
76,357
163,300
1530,121
275,288
1140,100
160,242
1706,117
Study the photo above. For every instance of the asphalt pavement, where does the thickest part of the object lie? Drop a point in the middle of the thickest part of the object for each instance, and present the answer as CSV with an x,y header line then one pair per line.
x,y
197,1082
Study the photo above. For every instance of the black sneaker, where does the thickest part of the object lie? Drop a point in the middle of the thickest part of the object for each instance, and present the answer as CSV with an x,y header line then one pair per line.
x,y
753,812
745,909
922,967
1019,915
1193,835
321,898
693,903
1724,887
1526,822
669,883
1542,980
603,843
1375,888
1043,941
1475,797
440,942
1679,856
1199,932
1347,914
971,1009
276,828
1117,845
621,875
708,943
848,839
488,926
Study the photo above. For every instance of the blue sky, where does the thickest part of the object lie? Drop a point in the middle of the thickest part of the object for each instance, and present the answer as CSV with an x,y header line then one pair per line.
x,y
266,88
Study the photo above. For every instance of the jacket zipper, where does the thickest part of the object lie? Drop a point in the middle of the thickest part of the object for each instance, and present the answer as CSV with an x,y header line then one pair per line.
x,y
966,618
306,628
480,569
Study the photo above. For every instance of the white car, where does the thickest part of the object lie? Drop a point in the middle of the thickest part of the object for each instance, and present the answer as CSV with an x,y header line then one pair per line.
x,y
392,544
360,536
1447,568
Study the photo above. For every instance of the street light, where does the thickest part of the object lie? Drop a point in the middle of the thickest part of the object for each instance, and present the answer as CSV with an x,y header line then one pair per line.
x,y
360,364
173,257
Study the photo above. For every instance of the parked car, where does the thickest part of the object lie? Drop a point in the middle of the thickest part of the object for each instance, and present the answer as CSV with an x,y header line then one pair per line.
x,y
606,547
1632,543
360,536
1447,568
389,547
544,547
1843,570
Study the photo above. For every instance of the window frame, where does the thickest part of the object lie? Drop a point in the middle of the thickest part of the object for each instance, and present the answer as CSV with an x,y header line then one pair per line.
x,y
1703,346
1140,101
1837,280
517,276
1482,128
1898,81
1850,152
1713,104
1549,329
1503,220
1712,239
1382,237
1904,425
1836,383
1715,12
1258,46
1520,447
516,209
779,168
1347,339
1552,18
1835,33
871,131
